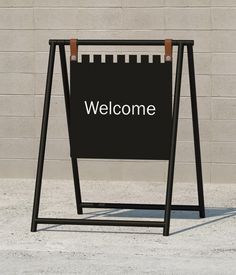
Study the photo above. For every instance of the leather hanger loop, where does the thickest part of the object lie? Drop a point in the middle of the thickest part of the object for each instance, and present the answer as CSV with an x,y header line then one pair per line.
x,y
73,50
168,50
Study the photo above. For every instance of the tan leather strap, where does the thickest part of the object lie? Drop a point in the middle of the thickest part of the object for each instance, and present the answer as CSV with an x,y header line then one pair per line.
x,y
73,50
168,50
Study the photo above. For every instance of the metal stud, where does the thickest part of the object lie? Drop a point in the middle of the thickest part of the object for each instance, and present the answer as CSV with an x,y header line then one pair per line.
x,y
73,58
168,58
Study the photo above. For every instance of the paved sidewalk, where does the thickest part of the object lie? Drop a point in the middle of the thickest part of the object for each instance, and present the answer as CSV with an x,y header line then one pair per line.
x,y
196,246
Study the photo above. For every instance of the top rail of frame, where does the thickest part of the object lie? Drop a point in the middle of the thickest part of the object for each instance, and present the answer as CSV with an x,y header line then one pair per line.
x,y
102,42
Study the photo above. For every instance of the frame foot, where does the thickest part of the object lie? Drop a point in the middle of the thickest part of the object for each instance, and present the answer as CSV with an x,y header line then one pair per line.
x,y
79,210
202,214
165,231
34,227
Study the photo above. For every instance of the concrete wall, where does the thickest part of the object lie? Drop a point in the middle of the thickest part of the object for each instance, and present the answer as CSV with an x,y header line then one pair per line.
x,y
26,26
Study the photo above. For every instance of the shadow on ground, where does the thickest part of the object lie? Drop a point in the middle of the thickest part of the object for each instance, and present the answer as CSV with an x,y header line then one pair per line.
x,y
213,215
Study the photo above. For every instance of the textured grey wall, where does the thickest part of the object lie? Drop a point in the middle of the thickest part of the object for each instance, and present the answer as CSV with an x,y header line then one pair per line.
x,y
26,26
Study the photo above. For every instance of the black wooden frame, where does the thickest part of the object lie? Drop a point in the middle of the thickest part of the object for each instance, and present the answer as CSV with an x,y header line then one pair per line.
x,y
167,207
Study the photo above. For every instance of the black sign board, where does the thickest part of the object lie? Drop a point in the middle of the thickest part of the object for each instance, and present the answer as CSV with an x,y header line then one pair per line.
x,y
121,110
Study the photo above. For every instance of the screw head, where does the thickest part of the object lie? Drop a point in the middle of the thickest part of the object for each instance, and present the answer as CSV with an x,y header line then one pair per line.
x,y
73,58
168,58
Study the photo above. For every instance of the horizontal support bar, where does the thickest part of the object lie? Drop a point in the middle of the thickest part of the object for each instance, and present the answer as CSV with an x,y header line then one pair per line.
x,y
100,222
122,42
138,206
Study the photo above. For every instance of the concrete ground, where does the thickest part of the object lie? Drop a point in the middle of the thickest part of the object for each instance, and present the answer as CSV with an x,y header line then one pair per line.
x,y
195,246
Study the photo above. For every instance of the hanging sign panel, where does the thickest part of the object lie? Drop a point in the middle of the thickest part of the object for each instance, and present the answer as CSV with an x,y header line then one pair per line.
x,y
121,110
